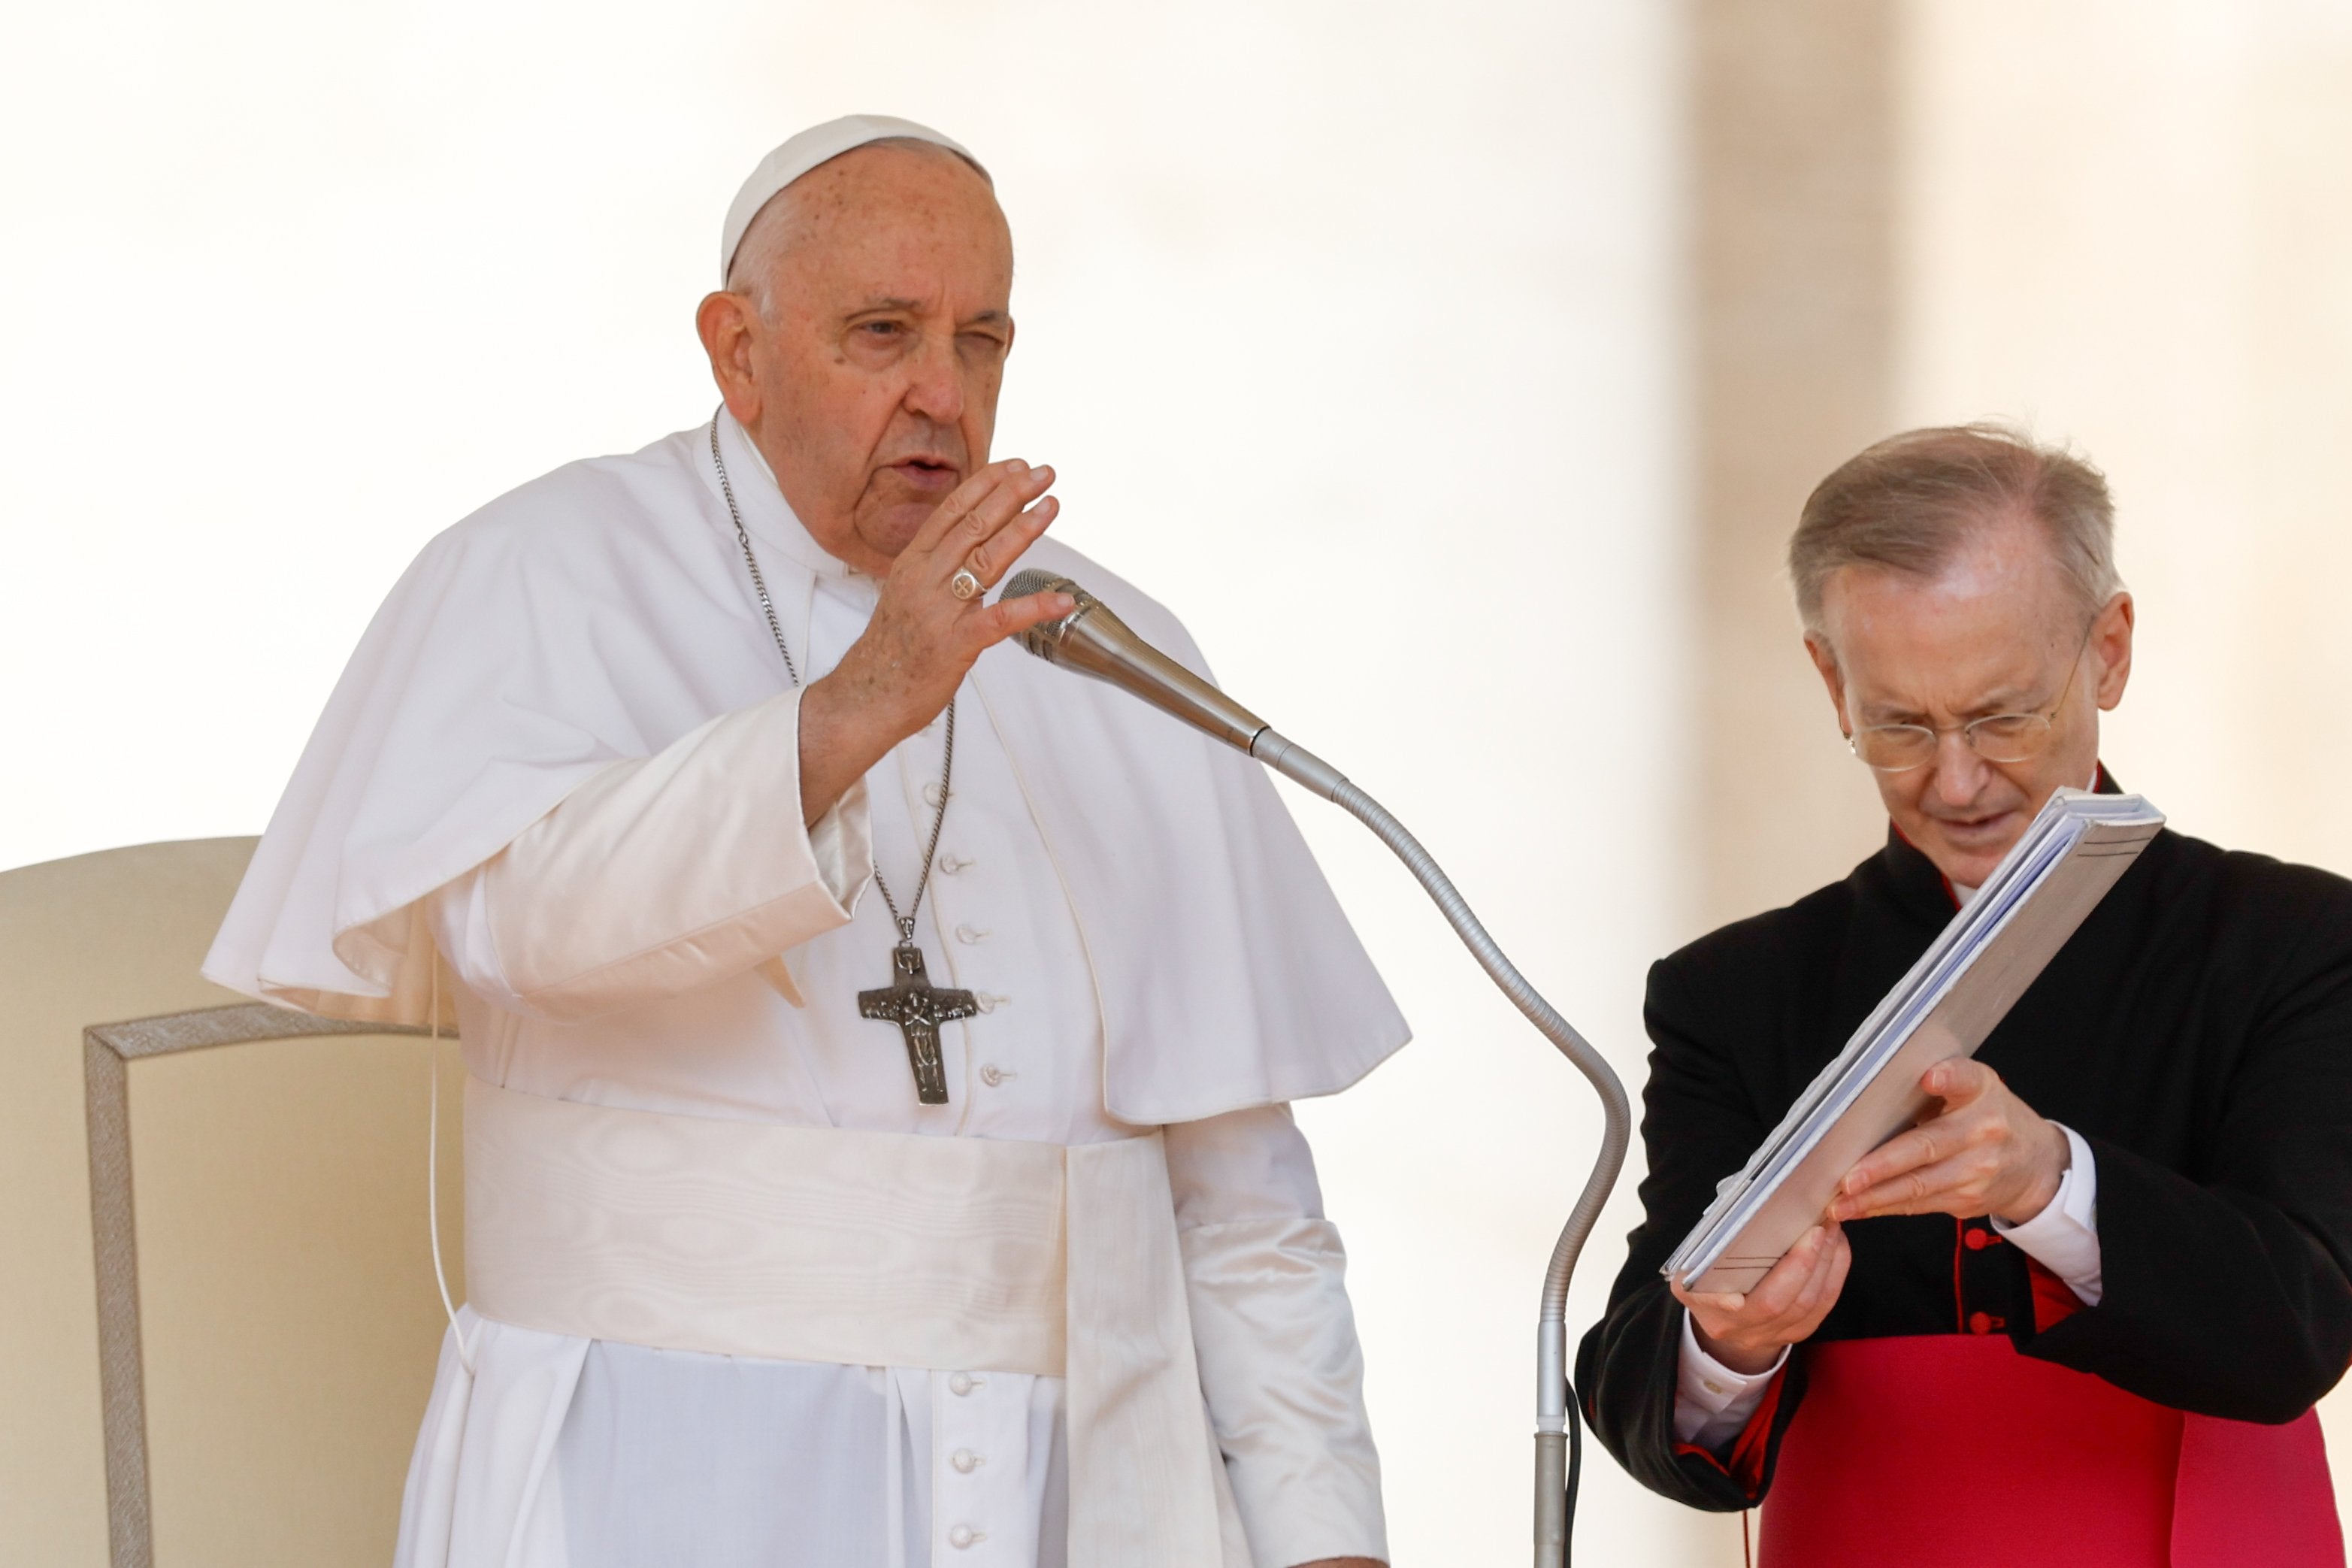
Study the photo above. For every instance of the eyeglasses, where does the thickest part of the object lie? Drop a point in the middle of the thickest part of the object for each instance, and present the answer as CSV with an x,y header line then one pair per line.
x,y
1997,737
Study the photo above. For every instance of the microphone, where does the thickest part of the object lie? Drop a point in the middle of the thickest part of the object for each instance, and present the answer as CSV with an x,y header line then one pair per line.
x,y
1092,640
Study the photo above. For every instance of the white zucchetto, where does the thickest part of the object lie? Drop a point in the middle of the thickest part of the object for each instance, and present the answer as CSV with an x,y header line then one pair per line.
x,y
817,145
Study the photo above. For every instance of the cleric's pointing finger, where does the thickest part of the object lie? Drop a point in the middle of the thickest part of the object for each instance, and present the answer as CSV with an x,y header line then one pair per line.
x,y
1927,1189
1957,1081
1892,1159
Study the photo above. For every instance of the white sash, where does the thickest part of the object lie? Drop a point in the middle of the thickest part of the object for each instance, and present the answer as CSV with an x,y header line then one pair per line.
x,y
871,1249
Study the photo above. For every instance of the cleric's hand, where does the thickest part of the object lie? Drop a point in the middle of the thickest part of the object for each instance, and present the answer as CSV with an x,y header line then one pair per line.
x,y
1747,1331
922,640
1986,1154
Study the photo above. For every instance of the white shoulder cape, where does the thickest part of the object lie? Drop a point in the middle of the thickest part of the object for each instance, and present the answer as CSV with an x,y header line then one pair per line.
x,y
602,611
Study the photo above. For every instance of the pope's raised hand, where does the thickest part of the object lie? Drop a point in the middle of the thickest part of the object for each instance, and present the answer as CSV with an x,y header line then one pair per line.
x,y
924,636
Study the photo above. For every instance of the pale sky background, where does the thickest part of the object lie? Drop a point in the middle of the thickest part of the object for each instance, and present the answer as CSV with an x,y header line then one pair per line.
x,y
1357,332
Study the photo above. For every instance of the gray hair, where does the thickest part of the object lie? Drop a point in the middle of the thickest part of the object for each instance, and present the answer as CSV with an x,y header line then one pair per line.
x,y
1909,502
753,272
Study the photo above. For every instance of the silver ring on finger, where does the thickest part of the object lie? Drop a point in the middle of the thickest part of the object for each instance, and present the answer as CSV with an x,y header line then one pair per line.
x,y
964,585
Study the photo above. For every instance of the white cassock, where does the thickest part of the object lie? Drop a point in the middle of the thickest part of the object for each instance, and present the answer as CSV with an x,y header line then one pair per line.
x,y
565,756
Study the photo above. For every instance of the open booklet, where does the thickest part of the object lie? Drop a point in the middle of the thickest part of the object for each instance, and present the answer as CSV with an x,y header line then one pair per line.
x,y
1961,987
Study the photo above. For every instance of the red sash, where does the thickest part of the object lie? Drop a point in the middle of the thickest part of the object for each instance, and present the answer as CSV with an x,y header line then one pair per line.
x,y
1954,1451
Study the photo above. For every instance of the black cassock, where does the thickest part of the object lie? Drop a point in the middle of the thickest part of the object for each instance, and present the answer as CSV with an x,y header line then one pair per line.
x,y
2197,1032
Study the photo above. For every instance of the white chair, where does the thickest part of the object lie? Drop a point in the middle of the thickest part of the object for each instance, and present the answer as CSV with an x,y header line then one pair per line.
x,y
223,1361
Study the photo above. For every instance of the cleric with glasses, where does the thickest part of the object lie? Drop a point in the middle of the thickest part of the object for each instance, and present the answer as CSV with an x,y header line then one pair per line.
x,y
1898,746
2080,1313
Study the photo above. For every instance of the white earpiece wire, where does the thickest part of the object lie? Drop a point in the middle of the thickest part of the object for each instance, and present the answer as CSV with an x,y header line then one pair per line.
x,y
433,1170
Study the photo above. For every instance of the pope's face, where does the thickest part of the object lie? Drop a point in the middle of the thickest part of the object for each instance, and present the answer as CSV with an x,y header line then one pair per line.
x,y
1996,632
876,366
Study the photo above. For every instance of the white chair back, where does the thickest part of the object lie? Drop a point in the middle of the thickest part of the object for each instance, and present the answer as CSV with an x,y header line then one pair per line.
x,y
218,1320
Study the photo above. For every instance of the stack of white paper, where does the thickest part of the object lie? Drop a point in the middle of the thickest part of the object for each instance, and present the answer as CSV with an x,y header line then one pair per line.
x,y
1952,999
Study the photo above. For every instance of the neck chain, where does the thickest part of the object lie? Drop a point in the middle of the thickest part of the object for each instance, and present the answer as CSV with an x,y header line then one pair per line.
x,y
911,1002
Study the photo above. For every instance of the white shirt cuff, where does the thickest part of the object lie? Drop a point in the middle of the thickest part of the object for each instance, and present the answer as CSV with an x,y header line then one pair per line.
x,y
1713,1404
2065,1237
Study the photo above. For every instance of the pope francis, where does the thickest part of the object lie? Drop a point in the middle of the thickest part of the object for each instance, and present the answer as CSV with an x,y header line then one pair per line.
x,y
878,1041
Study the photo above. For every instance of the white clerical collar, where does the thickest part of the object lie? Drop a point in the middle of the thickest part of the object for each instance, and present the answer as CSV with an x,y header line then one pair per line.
x,y
766,513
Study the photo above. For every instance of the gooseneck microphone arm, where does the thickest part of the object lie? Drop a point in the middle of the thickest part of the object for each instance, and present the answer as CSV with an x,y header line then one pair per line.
x,y
1094,641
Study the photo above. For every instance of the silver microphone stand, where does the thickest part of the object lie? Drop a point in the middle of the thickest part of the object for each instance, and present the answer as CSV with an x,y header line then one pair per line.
x,y
1554,1420
1092,640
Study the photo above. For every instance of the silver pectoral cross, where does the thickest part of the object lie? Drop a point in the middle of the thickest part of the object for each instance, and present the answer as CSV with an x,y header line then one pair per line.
x,y
918,1008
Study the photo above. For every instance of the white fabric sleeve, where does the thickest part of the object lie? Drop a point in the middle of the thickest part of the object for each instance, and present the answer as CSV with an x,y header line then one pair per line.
x,y
1280,1365
660,874
1713,1404
2065,1237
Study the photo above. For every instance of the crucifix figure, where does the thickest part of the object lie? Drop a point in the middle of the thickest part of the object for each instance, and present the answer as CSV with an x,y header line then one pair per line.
x,y
918,1008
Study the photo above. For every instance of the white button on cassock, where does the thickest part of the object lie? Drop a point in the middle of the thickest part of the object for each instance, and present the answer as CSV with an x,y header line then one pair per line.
x,y
992,1075
931,793
964,1460
964,1535
966,933
961,1384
